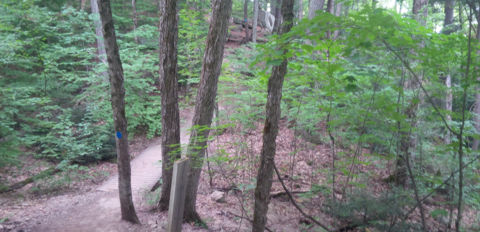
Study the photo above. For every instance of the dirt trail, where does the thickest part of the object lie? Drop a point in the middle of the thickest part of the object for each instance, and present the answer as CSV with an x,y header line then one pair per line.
x,y
99,210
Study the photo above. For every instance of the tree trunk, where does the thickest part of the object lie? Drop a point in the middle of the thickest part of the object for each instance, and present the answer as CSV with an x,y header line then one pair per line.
x,y
98,31
135,20
205,100
245,21
476,120
115,71
330,9
330,4
270,130
278,15
449,6
408,141
169,93
82,4
314,6
420,11
300,10
448,105
338,12
448,21
255,21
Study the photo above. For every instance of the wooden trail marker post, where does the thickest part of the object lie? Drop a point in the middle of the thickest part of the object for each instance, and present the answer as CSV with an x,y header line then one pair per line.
x,y
177,195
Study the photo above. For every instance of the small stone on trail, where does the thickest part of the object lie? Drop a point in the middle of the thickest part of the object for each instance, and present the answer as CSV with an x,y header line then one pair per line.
x,y
218,196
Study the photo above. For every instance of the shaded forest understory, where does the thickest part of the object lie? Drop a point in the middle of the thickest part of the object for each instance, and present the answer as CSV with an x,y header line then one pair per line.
x,y
377,110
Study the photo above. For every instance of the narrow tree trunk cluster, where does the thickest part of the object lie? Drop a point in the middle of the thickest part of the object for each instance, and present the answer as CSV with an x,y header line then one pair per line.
x,y
169,94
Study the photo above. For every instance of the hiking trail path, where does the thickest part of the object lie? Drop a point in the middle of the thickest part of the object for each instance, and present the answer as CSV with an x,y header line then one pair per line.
x,y
99,209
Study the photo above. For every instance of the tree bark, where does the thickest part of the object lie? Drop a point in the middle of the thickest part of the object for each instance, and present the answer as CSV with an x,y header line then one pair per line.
x,y
115,72
270,130
205,100
169,93
135,19
448,105
330,4
278,15
255,21
245,21
330,9
98,31
300,10
449,6
314,6
408,141
476,119
82,4
420,11
448,21
338,12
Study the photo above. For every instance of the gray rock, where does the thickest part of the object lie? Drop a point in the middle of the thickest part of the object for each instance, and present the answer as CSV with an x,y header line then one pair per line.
x,y
218,196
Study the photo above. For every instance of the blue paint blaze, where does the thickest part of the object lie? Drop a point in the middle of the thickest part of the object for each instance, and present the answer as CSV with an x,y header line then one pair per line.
x,y
119,134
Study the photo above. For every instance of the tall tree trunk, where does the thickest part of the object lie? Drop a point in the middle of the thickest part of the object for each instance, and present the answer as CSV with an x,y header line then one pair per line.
x,y
115,72
314,6
420,11
82,4
270,130
448,105
330,9
476,120
278,15
449,6
205,100
338,12
300,10
245,21
448,21
330,4
98,31
169,91
408,141
255,21
135,20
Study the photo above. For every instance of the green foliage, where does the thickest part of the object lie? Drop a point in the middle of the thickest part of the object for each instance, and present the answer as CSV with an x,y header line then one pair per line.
x,y
55,96
192,32
358,86
364,210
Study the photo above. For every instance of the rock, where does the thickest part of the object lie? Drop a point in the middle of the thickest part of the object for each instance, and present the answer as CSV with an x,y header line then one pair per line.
x,y
153,224
218,196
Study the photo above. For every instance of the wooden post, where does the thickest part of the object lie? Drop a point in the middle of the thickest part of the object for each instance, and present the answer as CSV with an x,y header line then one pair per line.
x,y
177,195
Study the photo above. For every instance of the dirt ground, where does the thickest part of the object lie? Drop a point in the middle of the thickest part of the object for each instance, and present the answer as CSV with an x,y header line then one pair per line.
x,y
92,204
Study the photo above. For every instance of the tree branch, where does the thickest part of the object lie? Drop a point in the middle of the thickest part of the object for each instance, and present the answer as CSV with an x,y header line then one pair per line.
x,y
295,203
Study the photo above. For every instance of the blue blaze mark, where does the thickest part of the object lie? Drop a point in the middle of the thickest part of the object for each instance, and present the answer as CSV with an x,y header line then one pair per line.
x,y
119,134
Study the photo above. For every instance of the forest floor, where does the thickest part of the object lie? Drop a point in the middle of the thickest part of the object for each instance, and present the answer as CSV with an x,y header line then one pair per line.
x,y
92,204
